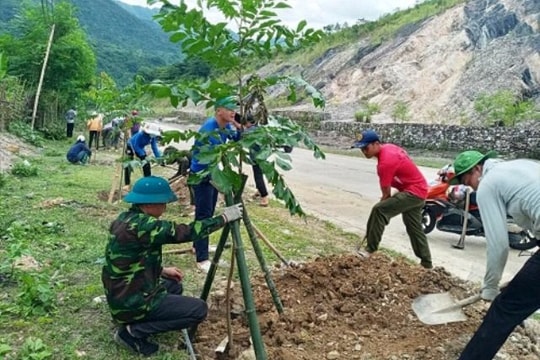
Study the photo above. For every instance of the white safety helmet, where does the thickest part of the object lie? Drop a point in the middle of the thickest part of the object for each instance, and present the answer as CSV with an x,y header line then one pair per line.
x,y
81,138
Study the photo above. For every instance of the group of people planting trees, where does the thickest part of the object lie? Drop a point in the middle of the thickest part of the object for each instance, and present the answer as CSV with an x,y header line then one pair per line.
x,y
148,299
145,297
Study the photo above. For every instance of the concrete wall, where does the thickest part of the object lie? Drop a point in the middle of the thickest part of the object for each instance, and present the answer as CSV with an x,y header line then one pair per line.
x,y
509,141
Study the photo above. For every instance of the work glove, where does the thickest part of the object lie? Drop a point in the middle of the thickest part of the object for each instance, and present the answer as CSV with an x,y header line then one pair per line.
x,y
160,161
232,213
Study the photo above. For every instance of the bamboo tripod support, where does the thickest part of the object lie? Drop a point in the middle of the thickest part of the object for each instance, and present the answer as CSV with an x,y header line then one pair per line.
x,y
243,273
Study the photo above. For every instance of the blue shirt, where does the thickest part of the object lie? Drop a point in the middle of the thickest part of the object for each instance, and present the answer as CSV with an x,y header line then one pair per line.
x,y
75,149
140,140
211,125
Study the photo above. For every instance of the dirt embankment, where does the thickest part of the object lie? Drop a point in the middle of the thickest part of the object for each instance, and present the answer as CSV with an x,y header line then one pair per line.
x,y
346,307
12,149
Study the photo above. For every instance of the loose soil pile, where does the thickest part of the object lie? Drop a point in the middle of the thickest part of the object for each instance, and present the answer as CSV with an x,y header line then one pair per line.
x,y
346,307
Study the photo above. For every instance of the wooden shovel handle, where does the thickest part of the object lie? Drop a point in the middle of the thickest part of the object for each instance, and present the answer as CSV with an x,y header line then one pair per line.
x,y
468,301
459,304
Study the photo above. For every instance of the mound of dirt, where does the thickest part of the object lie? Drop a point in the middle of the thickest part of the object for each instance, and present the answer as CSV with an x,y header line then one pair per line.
x,y
346,307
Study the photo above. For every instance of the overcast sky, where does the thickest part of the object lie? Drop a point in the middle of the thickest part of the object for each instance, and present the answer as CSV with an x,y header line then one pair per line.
x,y
319,13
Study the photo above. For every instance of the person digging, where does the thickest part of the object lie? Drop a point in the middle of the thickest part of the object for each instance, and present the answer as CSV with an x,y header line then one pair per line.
x,y
396,170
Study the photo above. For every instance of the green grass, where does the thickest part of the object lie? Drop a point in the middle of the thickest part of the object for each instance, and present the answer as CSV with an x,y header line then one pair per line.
x,y
60,218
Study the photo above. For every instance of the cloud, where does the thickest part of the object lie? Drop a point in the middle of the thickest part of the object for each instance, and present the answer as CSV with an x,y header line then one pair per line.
x,y
319,13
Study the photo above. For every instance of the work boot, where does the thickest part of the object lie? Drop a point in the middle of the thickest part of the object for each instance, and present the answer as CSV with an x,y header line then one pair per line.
x,y
138,346
426,264
264,201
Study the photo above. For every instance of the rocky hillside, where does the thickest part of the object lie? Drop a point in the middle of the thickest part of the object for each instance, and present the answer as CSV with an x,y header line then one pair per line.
x,y
438,67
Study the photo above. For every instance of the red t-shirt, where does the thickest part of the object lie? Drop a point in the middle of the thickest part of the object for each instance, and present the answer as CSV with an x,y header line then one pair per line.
x,y
396,169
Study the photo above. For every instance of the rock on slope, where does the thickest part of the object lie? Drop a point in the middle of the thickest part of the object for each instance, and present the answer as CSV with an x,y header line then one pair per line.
x,y
437,67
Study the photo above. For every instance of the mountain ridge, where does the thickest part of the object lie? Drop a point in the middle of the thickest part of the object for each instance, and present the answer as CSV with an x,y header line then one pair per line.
x,y
436,67
124,37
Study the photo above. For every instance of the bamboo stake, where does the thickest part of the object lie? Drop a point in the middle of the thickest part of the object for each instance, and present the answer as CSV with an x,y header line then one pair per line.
x,y
42,75
262,262
270,245
247,292
228,302
113,185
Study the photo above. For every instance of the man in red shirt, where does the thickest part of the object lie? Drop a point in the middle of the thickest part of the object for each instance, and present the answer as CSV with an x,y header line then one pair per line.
x,y
396,170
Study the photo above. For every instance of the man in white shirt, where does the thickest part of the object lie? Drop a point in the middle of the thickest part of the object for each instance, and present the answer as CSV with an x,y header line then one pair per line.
x,y
504,188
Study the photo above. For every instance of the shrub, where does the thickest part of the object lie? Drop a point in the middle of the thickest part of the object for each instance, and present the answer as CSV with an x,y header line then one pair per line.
x,y
502,108
400,112
366,114
54,131
35,349
24,169
362,116
24,131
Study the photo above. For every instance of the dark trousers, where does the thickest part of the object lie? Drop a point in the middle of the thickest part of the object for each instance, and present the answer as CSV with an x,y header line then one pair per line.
x,y
176,312
147,169
515,303
206,196
410,208
93,135
259,181
69,129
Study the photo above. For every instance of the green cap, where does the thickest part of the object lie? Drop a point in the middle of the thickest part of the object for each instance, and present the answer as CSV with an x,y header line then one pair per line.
x,y
466,161
228,102
151,190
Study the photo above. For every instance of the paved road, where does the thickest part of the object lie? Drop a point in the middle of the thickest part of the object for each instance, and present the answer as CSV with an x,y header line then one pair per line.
x,y
342,190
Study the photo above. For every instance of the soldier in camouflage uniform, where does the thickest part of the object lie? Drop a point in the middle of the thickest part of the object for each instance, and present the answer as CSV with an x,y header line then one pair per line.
x,y
143,296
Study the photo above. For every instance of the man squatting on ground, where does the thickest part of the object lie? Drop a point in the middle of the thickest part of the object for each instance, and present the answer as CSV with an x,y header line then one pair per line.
x,y
503,188
79,153
222,125
144,297
396,170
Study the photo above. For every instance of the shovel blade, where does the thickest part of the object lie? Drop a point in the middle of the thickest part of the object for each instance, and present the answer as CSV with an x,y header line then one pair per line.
x,y
434,309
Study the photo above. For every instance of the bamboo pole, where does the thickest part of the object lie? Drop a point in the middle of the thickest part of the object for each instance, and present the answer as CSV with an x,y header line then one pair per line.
x,y
270,245
42,75
116,175
262,262
243,273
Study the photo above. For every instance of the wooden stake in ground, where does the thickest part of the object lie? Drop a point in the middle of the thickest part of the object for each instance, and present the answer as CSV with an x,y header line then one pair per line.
x,y
113,185
270,245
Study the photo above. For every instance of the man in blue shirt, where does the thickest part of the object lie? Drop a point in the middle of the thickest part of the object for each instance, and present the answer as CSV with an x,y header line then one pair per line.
x,y
79,153
223,124
136,147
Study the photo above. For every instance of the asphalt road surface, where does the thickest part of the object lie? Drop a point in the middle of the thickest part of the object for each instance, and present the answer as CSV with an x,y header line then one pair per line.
x,y
342,189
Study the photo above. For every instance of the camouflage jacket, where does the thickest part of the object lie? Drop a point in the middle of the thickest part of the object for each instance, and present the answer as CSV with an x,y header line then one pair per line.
x,y
131,275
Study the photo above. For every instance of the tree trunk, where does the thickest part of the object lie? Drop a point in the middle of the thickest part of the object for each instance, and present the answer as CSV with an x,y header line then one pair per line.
x,y
38,92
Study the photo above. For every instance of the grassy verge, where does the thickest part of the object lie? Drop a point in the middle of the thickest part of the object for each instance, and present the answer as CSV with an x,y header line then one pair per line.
x,y
58,219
